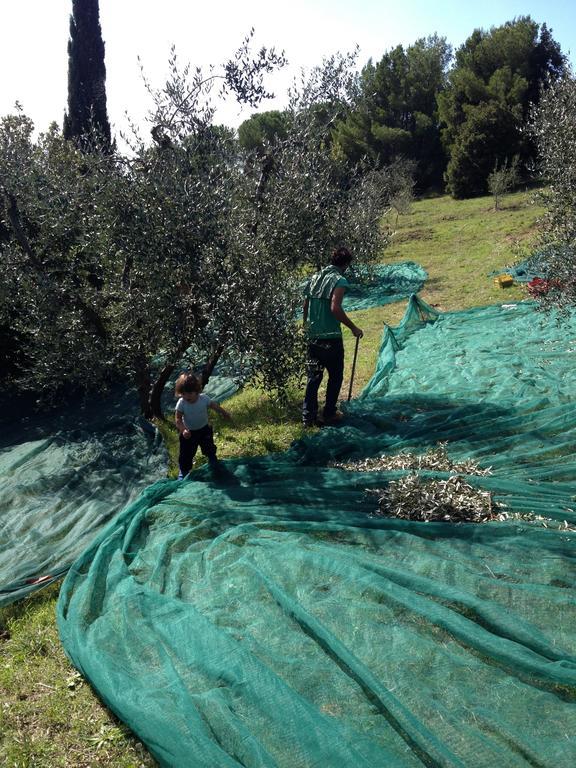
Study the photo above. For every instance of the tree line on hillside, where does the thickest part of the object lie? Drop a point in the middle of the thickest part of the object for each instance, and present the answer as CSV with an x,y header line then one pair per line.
x,y
460,120
455,117
189,249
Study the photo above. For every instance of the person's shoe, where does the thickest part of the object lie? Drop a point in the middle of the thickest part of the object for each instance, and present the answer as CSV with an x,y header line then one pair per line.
x,y
217,469
310,421
180,476
333,419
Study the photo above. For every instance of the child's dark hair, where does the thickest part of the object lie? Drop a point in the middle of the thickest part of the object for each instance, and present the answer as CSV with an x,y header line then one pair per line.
x,y
341,257
187,382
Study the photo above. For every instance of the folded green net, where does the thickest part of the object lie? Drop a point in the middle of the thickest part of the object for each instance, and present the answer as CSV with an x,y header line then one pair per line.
x,y
383,284
271,614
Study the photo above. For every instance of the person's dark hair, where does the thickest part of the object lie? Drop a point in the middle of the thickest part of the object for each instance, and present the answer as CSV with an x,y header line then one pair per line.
x,y
187,382
341,257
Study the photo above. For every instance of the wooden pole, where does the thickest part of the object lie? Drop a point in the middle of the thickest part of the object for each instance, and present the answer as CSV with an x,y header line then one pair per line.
x,y
353,367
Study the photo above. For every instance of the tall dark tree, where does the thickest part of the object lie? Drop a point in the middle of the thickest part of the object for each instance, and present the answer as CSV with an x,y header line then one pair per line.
x,y
397,113
498,74
87,116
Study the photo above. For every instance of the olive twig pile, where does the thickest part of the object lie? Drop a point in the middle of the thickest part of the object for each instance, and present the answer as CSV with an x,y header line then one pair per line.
x,y
416,498
452,500
435,459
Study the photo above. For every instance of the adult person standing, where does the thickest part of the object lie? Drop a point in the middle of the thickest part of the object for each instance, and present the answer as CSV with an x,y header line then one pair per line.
x,y
323,318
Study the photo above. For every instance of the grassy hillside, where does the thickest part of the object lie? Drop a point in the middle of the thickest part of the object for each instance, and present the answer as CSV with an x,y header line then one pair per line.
x,y
48,716
460,242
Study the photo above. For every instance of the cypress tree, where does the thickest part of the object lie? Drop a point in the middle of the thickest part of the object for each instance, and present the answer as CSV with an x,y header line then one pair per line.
x,y
86,76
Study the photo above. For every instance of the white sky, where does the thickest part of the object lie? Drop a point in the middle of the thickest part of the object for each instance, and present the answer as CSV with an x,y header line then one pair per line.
x,y
34,34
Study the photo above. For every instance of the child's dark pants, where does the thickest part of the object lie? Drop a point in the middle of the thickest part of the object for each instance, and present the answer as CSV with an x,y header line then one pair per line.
x,y
204,438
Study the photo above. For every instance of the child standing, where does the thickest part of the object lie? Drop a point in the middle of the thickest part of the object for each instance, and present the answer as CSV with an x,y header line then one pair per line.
x,y
192,422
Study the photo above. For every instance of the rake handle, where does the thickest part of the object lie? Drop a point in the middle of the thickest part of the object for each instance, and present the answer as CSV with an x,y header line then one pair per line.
x,y
353,367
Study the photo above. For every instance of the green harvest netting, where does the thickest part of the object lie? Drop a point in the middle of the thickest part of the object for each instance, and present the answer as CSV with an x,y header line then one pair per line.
x,y
223,382
265,616
64,474
523,272
383,284
536,265
74,470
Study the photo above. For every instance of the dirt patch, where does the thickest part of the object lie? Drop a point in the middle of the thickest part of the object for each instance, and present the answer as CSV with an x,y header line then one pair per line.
x,y
426,233
512,207
518,237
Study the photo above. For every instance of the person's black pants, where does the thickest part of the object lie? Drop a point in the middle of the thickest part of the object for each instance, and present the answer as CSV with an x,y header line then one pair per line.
x,y
203,438
323,354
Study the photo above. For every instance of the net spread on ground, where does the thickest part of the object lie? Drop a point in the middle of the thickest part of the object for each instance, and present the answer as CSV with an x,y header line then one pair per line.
x,y
272,615
64,474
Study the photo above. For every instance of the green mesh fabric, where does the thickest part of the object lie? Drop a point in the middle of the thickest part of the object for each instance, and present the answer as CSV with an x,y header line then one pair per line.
x,y
77,468
264,615
383,284
219,387
63,475
525,271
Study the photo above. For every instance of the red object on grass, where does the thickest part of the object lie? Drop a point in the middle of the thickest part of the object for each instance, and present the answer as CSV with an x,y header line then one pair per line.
x,y
540,287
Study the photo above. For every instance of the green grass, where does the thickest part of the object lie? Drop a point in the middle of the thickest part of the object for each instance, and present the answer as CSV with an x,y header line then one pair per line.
x,y
48,716
460,242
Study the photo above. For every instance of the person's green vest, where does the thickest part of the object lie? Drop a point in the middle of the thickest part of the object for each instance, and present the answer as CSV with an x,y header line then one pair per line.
x,y
318,290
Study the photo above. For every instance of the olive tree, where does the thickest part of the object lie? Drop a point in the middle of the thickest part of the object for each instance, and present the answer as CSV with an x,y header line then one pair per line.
x,y
307,198
115,265
120,265
53,252
503,179
552,125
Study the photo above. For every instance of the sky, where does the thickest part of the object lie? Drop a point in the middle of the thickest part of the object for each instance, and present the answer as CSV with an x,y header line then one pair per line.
x,y
34,34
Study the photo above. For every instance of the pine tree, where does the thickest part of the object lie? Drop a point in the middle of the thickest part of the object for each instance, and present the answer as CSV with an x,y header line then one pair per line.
x,y
86,77
498,74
